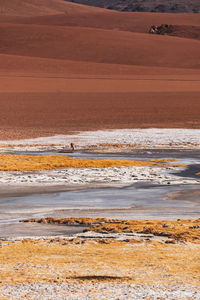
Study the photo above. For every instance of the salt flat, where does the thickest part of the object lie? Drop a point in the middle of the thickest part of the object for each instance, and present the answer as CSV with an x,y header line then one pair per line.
x,y
149,138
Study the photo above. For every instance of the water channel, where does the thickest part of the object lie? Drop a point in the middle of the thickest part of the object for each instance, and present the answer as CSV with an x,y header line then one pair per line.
x,y
137,201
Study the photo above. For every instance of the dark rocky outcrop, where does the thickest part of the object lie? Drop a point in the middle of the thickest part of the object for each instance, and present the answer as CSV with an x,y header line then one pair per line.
x,y
164,6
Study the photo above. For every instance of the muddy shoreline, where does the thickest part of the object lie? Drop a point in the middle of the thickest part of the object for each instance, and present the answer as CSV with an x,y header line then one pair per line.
x,y
150,202
142,200
189,157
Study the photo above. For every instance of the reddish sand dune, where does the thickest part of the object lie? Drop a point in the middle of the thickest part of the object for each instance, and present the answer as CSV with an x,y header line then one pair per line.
x,y
37,7
97,45
84,16
192,32
89,85
35,67
39,114
70,67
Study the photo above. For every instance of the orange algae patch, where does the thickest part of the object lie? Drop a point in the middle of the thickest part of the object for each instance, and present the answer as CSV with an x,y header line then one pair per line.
x,y
178,231
9,162
58,261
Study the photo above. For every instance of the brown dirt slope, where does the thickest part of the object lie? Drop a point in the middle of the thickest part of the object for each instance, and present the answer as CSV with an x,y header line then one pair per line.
x,y
15,65
153,79
184,31
83,16
25,115
36,8
97,45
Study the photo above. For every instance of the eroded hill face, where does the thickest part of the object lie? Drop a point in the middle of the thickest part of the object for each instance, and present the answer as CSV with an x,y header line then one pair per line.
x,y
172,6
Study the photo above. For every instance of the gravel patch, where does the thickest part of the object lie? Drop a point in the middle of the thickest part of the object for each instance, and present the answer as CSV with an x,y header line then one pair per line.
x,y
122,175
111,291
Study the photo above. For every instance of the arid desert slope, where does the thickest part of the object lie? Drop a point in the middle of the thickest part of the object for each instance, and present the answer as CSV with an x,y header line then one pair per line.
x,y
68,67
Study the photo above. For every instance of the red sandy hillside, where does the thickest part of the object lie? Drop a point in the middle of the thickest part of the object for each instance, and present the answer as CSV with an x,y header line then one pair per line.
x,y
97,45
36,7
84,16
43,43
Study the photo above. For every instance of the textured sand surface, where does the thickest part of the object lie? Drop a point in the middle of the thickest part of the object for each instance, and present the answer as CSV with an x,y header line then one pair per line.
x,y
99,49
99,268
26,115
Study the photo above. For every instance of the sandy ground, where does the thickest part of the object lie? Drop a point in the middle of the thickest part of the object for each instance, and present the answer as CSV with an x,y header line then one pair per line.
x,y
99,269
79,112
111,75
41,117
100,291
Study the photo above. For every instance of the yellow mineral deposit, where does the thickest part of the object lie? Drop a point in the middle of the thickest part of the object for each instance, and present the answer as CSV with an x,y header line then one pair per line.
x,y
63,260
180,230
9,162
